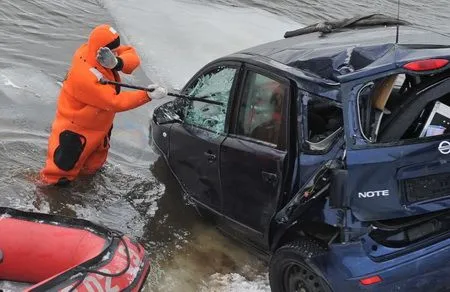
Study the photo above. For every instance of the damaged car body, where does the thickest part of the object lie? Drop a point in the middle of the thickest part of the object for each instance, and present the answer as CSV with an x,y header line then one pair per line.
x,y
330,153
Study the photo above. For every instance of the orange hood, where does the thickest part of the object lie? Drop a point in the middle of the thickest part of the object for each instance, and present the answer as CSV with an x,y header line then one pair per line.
x,y
101,36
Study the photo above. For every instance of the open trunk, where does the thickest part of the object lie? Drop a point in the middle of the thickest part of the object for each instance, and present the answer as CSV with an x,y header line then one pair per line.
x,y
399,163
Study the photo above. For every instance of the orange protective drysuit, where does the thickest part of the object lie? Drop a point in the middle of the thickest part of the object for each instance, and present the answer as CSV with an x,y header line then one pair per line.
x,y
79,139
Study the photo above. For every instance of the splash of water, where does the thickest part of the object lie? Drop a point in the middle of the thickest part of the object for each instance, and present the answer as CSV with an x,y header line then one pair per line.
x,y
176,38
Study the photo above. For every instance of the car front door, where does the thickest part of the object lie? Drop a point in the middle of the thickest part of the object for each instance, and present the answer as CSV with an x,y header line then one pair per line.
x,y
195,143
252,157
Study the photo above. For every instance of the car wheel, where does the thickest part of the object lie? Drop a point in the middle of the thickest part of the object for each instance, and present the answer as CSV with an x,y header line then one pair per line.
x,y
290,271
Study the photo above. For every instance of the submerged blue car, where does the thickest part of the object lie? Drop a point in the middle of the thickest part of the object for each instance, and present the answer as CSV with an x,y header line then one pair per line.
x,y
328,150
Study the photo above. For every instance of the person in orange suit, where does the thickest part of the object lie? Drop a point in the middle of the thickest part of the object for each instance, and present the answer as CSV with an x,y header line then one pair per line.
x,y
80,134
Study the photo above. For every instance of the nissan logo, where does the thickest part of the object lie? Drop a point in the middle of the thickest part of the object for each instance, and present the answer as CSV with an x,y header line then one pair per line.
x,y
444,147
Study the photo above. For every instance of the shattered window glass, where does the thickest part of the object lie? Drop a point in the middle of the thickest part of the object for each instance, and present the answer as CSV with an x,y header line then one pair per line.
x,y
377,100
367,113
260,112
216,86
324,122
392,108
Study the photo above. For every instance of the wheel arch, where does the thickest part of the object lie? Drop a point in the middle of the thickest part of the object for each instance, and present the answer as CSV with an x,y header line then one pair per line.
x,y
320,231
299,253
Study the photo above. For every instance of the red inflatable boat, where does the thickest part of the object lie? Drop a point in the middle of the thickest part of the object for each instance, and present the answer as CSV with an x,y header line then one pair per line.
x,y
55,253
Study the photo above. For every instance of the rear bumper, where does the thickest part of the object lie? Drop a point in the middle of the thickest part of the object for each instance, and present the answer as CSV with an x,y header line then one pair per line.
x,y
425,269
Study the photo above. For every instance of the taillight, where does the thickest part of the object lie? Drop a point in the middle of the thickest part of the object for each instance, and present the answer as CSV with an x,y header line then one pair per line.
x,y
426,65
371,280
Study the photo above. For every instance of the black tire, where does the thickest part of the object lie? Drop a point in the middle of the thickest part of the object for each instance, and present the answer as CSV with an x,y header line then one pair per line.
x,y
290,270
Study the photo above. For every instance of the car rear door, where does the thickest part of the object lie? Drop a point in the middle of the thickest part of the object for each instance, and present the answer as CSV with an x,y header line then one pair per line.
x,y
252,157
195,143
401,172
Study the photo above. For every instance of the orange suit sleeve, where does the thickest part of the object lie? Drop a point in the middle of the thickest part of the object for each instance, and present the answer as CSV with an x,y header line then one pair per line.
x,y
91,92
129,57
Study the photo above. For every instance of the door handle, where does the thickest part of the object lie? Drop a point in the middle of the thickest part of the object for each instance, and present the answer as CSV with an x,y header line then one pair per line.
x,y
210,156
269,177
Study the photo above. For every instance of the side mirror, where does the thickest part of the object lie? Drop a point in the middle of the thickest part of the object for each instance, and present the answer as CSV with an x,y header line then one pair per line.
x,y
166,114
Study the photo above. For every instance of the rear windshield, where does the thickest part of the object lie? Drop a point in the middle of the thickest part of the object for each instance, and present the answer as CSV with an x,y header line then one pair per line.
x,y
399,107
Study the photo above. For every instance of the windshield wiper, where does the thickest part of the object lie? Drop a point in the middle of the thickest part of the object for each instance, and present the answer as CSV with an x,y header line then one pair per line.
x,y
359,21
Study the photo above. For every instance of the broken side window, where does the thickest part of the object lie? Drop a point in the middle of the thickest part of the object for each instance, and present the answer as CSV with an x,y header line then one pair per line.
x,y
323,122
215,85
392,109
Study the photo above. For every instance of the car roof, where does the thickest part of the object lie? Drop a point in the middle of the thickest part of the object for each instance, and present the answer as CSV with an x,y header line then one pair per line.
x,y
354,52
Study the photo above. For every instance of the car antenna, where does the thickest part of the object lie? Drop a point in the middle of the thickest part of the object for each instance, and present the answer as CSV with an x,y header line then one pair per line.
x,y
398,21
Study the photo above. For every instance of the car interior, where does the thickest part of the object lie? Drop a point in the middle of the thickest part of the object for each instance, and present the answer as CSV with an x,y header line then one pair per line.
x,y
381,103
324,123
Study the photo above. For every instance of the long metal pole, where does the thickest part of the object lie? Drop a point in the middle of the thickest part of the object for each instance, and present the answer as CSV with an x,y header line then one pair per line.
x,y
200,99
